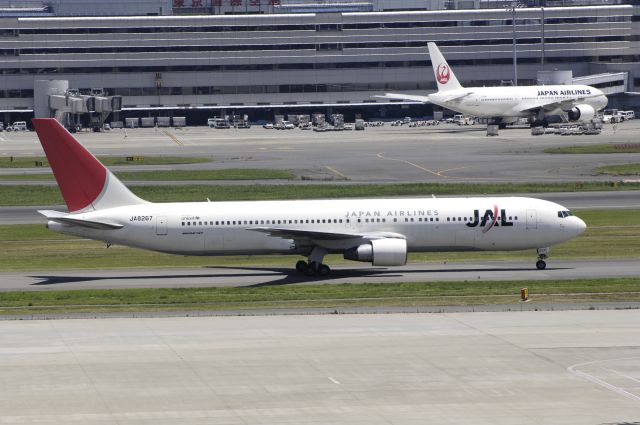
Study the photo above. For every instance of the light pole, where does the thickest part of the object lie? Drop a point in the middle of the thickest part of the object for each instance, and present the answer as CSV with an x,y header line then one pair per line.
x,y
513,7
542,8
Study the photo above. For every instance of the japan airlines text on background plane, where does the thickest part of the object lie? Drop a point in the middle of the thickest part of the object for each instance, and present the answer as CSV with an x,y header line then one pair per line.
x,y
506,104
378,231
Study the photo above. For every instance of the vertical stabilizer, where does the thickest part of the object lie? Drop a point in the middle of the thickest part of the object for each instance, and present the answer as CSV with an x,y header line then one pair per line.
x,y
85,183
445,77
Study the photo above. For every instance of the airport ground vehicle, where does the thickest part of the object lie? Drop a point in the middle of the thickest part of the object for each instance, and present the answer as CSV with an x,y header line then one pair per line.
x,y
284,125
1,126
18,126
463,120
628,115
220,123
378,231
612,116
268,126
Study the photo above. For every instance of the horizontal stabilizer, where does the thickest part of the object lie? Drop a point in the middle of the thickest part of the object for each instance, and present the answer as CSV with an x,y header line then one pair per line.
x,y
69,219
415,98
456,96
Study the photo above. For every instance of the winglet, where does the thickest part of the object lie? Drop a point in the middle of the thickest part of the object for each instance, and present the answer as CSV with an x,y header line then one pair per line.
x,y
445,77
85,183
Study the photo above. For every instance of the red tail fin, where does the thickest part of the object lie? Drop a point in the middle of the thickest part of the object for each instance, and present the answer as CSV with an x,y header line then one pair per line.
x,y
83,180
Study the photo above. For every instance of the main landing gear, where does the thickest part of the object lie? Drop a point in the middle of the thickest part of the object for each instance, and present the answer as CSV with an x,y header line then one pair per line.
x,y
543,254
314,267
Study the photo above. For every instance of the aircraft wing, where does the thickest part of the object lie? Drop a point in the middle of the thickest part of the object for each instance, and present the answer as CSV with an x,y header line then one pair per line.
x,y
416,98
551,104
314,237
65,218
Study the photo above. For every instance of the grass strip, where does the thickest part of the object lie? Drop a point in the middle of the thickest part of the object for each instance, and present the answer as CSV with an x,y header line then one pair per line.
x,y
317,295
180,175
30,161
596,149
12,195
620,170
33,247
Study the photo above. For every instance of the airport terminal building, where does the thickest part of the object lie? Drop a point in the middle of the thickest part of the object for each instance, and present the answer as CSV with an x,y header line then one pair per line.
x,y
200,58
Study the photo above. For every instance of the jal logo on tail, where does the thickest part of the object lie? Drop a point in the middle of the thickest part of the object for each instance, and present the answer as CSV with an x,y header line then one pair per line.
x,y
443,73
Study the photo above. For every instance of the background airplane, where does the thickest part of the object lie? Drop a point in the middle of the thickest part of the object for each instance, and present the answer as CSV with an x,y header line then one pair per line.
x,y
379,231
506,104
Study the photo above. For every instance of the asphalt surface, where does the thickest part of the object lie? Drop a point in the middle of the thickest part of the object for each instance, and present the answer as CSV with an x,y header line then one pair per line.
x,y
445,153
523,368
276,276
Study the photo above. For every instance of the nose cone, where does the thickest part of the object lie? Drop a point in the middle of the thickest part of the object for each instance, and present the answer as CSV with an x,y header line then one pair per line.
x,y
604,101
579,226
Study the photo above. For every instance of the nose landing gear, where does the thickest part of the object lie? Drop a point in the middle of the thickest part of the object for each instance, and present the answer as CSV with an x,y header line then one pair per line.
x,y
543,254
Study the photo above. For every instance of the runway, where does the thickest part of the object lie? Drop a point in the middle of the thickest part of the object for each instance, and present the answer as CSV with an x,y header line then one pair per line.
x,y
524,368
265,276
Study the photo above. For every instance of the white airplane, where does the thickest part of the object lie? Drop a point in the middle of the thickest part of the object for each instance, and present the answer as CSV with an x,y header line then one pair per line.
x,y
506,104
378,231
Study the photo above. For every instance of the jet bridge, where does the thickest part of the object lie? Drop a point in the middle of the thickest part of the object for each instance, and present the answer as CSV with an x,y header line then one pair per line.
x,y
609,83
53,98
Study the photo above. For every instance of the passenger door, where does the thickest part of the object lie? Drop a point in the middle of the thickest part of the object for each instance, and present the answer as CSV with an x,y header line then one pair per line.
x,y
161,225
532,219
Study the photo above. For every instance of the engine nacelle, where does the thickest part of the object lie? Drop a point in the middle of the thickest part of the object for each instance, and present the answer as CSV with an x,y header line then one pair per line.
x,y
581,113
380,252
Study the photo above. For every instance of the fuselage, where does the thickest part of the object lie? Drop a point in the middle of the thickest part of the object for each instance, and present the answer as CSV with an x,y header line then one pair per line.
x,y
509,101
428,224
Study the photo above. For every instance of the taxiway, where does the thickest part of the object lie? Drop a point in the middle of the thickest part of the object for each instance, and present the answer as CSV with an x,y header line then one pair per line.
x,y
444,153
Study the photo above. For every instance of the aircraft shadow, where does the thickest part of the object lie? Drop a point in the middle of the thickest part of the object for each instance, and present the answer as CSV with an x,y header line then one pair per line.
x,y
282,275
291,276
56,280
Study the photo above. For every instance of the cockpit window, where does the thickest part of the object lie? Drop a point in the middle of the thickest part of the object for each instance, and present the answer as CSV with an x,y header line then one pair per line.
x,y
563,214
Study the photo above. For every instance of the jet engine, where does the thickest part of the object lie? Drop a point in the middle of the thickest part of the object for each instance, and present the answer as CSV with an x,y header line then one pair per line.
x,y
380,252
581,113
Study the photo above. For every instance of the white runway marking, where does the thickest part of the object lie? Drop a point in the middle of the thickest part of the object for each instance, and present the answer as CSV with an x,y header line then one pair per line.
x,y
574,369
623,375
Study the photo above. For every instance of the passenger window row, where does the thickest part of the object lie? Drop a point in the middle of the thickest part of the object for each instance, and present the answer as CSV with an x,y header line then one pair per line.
x,y
262,222
333,221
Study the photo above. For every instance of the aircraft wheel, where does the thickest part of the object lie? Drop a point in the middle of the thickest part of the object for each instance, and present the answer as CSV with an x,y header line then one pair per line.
x,y
301,266
324,270
310,269
541,265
